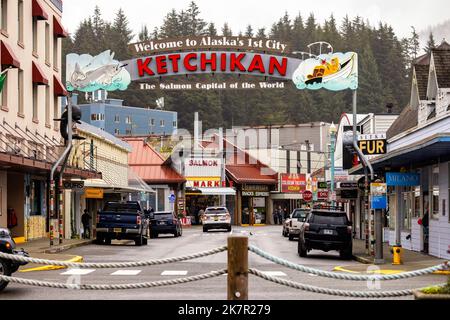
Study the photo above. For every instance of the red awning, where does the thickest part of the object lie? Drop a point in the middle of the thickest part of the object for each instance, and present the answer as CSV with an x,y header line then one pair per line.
x,y
58,88
38,75
38,11
58,29
7,56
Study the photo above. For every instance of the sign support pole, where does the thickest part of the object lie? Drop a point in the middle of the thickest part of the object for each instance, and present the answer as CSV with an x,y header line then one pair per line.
x,y
378,237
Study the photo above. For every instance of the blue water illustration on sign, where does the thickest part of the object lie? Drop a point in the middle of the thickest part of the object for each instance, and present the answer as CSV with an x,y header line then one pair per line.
x,y
86,73
335,72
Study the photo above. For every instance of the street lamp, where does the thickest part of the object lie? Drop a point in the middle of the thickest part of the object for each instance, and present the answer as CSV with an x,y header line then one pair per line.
x,y
333,131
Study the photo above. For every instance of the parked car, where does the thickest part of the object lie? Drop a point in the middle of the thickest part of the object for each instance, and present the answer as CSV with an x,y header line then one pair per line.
x,y
216,218
123,220
165,223
8,267
326,230
297,219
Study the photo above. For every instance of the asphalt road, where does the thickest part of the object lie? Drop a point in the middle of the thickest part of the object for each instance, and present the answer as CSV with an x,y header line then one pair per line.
x,y
194,240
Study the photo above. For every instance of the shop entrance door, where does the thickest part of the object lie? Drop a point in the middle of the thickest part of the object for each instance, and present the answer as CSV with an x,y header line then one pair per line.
x,y
247,209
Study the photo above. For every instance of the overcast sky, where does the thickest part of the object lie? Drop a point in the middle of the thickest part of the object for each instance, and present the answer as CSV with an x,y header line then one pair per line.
x,y
401,14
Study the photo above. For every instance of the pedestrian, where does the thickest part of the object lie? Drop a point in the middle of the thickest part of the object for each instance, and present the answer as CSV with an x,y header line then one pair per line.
x,y
280,215
275,216
286,214
201,212
425,224
86,221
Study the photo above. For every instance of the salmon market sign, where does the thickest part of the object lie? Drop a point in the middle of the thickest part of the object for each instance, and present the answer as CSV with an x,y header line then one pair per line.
x,y
184,57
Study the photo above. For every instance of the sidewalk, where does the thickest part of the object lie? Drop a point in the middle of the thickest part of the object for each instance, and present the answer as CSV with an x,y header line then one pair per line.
x,y
412,260
41,249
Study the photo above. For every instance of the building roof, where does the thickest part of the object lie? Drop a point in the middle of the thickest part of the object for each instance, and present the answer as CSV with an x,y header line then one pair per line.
x,y
422,72
441,57
92,130
408,119
148,164
248,173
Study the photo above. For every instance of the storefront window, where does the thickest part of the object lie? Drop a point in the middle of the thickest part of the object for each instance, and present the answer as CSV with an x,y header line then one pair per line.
x,y
35,198
407,210
435,194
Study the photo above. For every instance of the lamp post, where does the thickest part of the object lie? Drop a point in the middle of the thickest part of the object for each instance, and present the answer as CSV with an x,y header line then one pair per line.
x,y
333,146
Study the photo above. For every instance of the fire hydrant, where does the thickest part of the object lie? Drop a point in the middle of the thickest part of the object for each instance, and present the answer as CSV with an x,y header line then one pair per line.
x,y
397,253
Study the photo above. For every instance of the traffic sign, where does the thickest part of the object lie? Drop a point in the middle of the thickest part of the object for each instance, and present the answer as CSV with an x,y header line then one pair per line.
x,y
172,198
307,195
378,192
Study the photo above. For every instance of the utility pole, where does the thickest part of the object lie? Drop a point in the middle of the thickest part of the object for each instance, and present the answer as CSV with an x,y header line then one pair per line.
x,y
332,147
308,159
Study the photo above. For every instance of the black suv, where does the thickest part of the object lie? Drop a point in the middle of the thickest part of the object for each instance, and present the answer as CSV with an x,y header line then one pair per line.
x,y
326,229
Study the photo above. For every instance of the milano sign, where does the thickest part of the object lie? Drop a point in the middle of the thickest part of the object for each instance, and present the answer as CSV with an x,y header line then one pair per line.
x,y
207,55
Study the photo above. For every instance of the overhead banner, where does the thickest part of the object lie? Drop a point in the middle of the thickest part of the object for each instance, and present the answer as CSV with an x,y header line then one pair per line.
x,y
333,72
402,179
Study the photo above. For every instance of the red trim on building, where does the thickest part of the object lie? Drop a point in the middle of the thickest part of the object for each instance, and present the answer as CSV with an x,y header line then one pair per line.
x,y
58,88
38,11
58,29
38,75
7,56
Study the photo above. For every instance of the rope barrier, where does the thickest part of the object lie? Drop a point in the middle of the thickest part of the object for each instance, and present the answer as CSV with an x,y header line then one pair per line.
x,y
334,292
114,265
345,276
143,285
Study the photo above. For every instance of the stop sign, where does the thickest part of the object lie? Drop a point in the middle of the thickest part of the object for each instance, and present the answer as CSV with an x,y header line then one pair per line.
x,y
307,195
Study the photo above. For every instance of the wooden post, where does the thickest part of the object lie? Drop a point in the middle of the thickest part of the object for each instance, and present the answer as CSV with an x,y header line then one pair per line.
x,y
237,268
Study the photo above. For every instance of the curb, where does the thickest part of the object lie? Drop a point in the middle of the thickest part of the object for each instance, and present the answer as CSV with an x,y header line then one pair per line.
x,y
68,247
363,260
418,295
49,268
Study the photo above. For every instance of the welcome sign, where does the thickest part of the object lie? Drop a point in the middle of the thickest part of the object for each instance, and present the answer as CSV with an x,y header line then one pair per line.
x,y
331,71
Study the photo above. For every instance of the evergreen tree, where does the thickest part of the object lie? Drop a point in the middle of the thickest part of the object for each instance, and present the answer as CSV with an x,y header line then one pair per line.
x,y
171,25
196,24
226,31
431,44
144,34
249,31
212,31
121,36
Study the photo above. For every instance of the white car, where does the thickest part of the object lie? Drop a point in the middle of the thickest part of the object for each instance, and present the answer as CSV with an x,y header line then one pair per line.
x,y
216,218
297,219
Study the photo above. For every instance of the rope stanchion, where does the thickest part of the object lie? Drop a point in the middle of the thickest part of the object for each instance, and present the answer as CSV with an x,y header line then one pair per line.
x,y
131,286
115,265
334,292
345,276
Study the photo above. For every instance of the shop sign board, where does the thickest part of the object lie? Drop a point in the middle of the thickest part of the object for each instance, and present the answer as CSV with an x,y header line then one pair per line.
x,y
293,183
255,190
93,193
372,144
378,192
322,185
402,179
203,167
322,195
73,185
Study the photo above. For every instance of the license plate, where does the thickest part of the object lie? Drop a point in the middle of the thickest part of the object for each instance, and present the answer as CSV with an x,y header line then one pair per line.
x,y
117,229
162,222
216,218
330,232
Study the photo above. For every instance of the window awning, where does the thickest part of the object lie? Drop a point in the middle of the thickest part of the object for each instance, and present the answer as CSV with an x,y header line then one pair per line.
x,y
38,75
38,11
7,56
212,191
58,87
58,29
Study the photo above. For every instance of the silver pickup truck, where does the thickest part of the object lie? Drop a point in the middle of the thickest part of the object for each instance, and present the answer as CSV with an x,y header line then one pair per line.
x,y
297,219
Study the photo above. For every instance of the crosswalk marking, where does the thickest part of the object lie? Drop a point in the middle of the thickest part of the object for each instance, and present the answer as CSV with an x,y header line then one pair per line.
x,y
126,273
174,273
275,273
77,272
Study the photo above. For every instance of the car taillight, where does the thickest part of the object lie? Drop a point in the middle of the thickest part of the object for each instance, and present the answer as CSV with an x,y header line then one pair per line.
x,y
349,229
306,226
174,221
138,220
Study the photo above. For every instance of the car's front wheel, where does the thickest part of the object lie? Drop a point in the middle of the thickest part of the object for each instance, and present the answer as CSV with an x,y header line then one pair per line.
x,y
4,271
205,229
291,237
139,241
302,252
